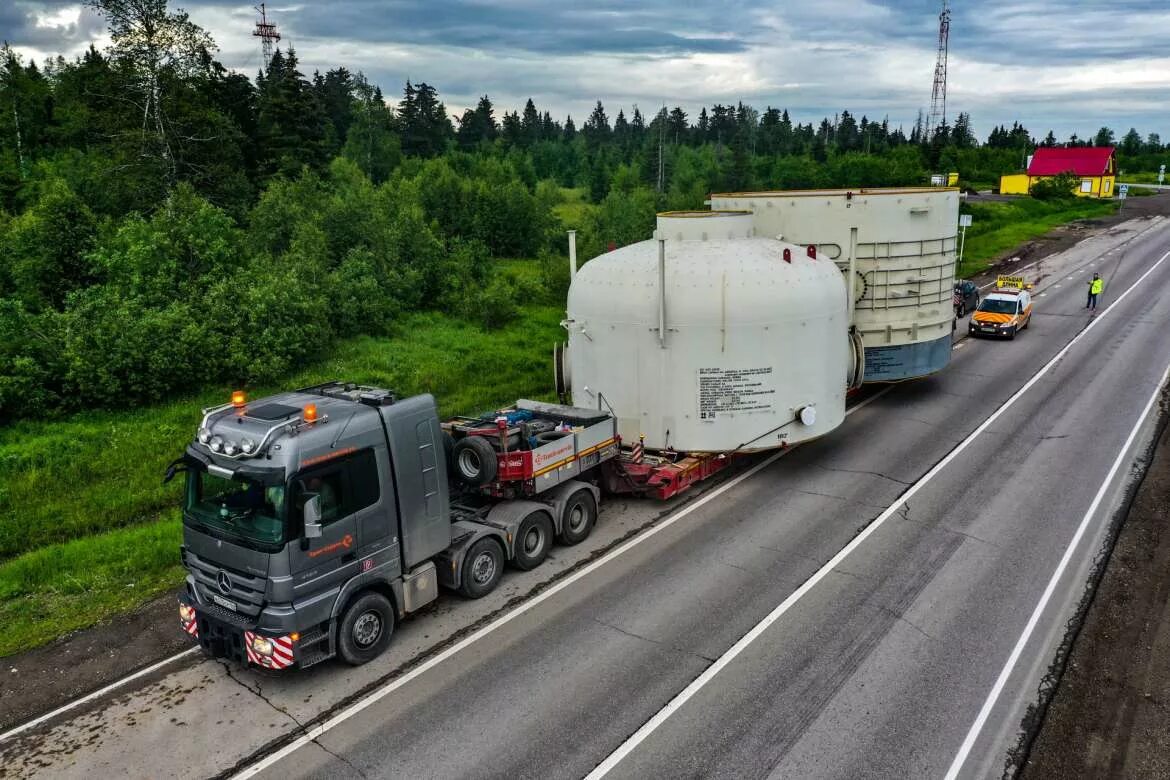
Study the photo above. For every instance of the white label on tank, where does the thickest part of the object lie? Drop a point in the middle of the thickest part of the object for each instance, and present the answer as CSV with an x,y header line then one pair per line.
x,y
725,391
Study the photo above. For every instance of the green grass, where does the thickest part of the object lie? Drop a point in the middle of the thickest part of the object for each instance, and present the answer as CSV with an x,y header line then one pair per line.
x,y
574,209
1139,177
1000,226
88,530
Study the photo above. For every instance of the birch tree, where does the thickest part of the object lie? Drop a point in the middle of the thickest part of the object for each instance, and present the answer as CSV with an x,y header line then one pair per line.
x,y
154,42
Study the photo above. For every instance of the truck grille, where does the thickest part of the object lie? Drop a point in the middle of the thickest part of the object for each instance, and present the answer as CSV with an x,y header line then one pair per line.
x,y
246,591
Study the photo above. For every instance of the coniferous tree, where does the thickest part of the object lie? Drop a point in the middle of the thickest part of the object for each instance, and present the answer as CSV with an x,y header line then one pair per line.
x,y
531,124
291,125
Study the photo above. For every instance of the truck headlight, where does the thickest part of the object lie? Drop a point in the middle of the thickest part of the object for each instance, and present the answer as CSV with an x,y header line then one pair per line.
x,y
216,444
204,435
248,446
230,448
261,645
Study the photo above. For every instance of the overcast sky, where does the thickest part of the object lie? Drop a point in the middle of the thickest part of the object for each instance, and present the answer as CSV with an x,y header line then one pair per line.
x,y
1070,66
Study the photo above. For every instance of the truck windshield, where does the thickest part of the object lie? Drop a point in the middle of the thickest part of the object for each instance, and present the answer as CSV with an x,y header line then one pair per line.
x,y
995,306
236,509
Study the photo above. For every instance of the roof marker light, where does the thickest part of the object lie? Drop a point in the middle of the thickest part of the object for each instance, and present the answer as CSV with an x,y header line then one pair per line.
x,y
812,251
788,255
310,413
238,398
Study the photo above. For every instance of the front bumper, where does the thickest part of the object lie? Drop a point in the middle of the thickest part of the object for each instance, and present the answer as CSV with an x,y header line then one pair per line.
x,y
223,634
980,329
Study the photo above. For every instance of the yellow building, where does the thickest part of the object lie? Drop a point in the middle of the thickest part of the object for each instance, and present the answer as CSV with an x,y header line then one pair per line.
x,y
1095,166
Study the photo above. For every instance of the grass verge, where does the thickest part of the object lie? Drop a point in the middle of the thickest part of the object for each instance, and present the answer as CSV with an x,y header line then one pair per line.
x,y
88,530
1000,226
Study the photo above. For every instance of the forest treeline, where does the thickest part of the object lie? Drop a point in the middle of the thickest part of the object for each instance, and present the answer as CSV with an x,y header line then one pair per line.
x,y
166,222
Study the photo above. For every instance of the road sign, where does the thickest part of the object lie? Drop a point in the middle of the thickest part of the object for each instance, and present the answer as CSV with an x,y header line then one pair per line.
x,y
1124,188
964,220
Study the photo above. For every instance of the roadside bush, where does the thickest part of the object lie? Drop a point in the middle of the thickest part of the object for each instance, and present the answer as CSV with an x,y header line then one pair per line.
x,y
1061,187
26,358
117,348
358,302
499,302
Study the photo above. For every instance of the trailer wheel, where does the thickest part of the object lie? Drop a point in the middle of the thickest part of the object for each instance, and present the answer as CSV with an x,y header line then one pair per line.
x,y
533,540
365,629
475,460
482,568
577,520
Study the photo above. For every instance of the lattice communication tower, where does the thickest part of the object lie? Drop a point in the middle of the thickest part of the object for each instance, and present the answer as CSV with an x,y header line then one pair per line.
x,y
938,96
266,32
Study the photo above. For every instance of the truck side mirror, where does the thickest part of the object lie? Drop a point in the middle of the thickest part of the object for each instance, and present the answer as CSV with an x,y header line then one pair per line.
x,y
312,514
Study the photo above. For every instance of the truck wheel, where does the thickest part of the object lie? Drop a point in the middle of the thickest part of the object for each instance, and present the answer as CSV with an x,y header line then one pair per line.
x,y
533,538
482,568
365,629
475,460
578,518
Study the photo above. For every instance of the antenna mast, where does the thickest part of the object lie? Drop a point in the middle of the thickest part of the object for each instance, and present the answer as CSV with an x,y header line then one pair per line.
x,y
266,32
938,96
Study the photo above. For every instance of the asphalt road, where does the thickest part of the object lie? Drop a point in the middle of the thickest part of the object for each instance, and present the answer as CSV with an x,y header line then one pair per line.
x,y
879,669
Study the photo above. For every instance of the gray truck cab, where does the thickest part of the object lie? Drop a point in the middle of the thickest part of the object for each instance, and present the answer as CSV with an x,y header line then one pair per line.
x,y
314,520
297,503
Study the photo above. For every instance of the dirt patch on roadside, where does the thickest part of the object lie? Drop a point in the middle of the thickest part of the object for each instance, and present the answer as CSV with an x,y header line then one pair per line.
x,y
43,679
1110,715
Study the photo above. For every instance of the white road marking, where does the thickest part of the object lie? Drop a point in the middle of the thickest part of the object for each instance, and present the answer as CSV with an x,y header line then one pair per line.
x,y
96,694
960,345
650,726
1005,673
1056,285
395,684
1041,295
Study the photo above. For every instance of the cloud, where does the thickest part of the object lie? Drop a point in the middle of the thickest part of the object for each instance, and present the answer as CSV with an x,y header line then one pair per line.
x,y
48,26
1067,66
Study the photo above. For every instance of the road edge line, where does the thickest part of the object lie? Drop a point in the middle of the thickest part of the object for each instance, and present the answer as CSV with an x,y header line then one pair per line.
x,y
976,729
17,730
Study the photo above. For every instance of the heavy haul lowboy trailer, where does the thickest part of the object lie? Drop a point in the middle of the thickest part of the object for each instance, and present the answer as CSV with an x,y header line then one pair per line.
x,y
315,520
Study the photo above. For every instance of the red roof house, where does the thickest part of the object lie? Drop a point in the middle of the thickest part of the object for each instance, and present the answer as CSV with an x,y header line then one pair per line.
x,y
1093,165
1081,160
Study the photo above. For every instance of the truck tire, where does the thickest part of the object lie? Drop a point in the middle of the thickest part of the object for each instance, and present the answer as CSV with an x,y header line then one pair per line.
x,y
578,517
534,537
547,436
474,460
365,628
482,567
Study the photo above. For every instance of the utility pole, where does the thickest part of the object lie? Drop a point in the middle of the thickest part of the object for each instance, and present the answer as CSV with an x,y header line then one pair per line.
x,y
266,32
938,96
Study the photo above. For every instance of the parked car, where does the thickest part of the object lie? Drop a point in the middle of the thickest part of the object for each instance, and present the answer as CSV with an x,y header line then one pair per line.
x,y
966,297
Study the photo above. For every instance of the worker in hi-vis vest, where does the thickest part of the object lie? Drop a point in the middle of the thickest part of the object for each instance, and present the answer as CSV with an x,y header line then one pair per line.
x,y
1096,284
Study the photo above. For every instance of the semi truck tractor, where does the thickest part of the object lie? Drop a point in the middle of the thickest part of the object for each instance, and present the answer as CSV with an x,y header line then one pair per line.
x,y
315,520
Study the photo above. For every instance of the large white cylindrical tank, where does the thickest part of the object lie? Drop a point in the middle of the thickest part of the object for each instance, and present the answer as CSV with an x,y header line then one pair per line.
x,y
904,262
739,349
